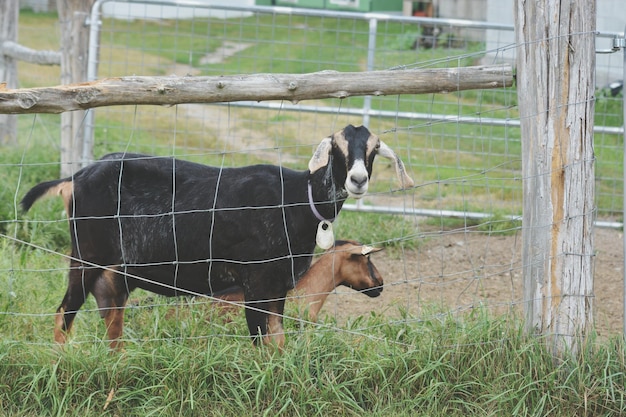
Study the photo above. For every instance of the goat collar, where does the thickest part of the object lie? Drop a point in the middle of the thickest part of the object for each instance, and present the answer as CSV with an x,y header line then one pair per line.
x,y
314,209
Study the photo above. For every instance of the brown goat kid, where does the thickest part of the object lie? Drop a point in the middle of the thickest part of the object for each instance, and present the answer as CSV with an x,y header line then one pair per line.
x,y
347,264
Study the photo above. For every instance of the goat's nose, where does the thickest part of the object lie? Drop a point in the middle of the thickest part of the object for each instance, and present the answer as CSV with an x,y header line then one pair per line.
x,y
358,180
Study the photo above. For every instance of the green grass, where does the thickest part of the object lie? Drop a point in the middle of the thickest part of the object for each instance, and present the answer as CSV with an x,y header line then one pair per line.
x,y
496,224
486,159
393,232
444,366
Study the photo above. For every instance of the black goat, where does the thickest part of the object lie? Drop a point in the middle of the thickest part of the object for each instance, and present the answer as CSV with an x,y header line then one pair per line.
x,y
175,227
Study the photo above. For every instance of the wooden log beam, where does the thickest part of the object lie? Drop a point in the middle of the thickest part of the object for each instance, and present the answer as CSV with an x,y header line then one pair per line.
x,y
171,90
23,53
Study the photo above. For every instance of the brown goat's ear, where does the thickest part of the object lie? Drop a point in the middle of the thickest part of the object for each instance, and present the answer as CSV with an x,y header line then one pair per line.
x,y
363,250
403,177
366,250
321,155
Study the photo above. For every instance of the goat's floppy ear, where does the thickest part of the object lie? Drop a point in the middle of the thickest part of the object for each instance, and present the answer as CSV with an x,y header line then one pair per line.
x,y
321,155
403,177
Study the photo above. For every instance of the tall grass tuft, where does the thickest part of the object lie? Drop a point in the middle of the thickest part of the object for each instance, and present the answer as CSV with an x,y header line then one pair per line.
x,y
471,364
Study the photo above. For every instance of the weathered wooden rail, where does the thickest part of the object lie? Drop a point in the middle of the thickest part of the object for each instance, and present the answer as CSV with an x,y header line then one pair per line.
x,y
171,90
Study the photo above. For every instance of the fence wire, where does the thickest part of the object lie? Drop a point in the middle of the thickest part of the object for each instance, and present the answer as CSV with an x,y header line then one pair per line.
x,y
463,149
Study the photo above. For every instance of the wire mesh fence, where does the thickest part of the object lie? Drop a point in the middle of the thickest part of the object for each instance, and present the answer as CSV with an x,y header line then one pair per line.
x,y
463,149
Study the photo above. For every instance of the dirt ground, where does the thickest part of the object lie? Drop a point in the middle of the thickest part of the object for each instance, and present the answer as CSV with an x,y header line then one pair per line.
x,y
458,271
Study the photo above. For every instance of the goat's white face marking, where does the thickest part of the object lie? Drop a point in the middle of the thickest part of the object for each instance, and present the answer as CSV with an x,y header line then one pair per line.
x,y
357,179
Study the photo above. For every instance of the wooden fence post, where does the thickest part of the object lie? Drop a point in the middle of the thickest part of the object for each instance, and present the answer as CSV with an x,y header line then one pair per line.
x,y
8,68
556,85
73,16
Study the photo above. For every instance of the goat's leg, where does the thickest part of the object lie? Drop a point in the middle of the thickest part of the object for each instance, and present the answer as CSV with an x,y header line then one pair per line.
x,y
256,317
275,333
265,321
111,295
80,283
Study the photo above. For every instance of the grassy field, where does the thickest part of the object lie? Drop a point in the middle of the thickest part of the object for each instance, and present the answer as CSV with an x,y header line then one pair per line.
x,y
184,358
443,367
481,161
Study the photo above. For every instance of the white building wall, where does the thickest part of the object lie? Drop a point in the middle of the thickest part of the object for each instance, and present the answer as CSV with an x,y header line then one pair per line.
x,y
122,10
611,17
462,9
38,5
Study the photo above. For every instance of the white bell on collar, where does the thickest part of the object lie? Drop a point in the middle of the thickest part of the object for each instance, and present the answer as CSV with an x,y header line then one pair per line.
x,y
325,237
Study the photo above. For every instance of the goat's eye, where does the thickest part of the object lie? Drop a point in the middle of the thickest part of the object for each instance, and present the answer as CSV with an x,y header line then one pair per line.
x,y
377,146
